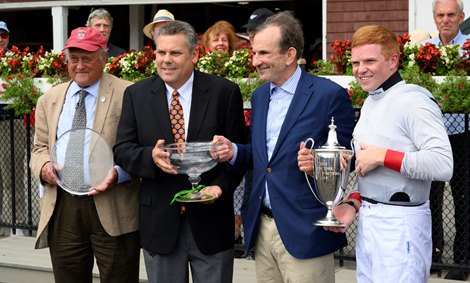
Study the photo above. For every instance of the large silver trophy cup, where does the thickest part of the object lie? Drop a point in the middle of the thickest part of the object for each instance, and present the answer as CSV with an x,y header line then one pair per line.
x,y
331,171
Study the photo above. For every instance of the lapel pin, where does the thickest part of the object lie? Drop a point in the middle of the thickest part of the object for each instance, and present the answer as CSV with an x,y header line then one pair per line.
x,y
102,98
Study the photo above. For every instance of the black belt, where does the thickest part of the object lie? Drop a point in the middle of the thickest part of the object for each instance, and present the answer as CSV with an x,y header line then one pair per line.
x,y
267,211
396,203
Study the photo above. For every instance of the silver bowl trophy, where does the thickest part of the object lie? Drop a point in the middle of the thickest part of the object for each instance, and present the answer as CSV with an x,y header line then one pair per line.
x,y
192,159
81,159
332,164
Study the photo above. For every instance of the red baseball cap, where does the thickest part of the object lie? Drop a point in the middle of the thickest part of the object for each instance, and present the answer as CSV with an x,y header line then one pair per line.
x,y
88,39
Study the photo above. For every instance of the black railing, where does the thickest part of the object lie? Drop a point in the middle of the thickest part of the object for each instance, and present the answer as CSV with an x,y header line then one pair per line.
x,y
19,196
19,207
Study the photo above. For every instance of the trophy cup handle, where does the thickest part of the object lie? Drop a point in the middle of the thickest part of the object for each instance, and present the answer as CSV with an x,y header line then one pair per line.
x,y
355,146
307,141
311,141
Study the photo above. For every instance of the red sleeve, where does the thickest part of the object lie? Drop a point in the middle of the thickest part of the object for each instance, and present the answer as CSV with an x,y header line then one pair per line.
x,y
393,159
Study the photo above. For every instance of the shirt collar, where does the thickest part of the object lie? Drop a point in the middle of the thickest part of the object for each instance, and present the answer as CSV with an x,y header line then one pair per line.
x,y
184,91
290,85
460,39
92,89
391,81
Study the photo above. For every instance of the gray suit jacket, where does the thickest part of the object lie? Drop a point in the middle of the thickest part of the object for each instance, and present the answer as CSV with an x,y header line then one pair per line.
x,y
118,207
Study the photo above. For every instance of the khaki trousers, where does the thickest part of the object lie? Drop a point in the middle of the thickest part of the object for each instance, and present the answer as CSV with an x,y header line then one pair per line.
x,y
274,264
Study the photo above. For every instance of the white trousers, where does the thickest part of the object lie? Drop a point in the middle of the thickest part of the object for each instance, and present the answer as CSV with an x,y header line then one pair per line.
x,y
393,244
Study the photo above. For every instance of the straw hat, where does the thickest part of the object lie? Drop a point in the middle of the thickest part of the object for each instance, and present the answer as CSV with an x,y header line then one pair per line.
x,y
418,35
161,16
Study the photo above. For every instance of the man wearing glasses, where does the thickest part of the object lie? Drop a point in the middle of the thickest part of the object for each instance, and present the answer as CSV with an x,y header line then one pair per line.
x,y
4,35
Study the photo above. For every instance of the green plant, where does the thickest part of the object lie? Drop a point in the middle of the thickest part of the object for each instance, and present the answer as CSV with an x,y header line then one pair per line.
x,y
134,65
341,58
247,86
413,75
21,92
453,94
323,68
213,63
51,64
238,65
356,94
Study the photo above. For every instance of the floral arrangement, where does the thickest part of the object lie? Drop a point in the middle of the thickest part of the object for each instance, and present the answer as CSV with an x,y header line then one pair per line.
x,y
21,92
51,64
453,94
356,94
133,65
17,70
33,64
342,57
237,65
213,63
418,63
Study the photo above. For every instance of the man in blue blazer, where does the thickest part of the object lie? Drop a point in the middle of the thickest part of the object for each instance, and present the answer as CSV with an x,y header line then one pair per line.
x,y
287,110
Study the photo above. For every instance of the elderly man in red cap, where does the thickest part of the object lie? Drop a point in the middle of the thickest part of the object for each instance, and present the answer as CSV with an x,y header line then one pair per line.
x,y
103,222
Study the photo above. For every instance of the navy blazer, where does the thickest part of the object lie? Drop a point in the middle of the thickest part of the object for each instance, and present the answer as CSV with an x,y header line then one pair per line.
x,y
294,207
216,109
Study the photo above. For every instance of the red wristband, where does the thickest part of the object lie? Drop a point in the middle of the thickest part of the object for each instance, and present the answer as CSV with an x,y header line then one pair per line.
x,y
356,196
393,159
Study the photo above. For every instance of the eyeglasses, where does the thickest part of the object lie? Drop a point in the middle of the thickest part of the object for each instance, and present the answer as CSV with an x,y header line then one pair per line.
x,y
85,59
4,35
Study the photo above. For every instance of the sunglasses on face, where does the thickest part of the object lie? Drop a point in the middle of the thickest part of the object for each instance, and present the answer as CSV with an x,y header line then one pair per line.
x,y
4,35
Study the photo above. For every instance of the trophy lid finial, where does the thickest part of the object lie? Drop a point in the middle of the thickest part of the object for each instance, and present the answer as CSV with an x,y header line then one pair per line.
x,y
332,137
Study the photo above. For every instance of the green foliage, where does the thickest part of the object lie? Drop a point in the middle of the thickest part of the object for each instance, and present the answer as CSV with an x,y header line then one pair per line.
x,y
413,75
133,65
21,92
237,65
247,86
323,68
356,94
454,94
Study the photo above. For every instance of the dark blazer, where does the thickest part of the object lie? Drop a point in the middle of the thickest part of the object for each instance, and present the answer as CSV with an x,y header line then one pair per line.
x,y
294,207
216,109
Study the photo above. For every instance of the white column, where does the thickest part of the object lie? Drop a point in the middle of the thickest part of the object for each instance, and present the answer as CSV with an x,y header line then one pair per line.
x,y
136,24
59,27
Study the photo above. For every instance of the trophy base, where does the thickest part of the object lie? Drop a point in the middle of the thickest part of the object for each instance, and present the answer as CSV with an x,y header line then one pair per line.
x,y
329,223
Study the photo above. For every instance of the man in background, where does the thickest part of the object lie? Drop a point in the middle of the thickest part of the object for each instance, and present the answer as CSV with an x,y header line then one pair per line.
x,y
161,17
4,35
448,15
257,18
101,20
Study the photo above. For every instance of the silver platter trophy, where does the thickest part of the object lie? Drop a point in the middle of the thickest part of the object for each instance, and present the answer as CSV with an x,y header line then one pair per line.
x,y
81,159
192,159
332,163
